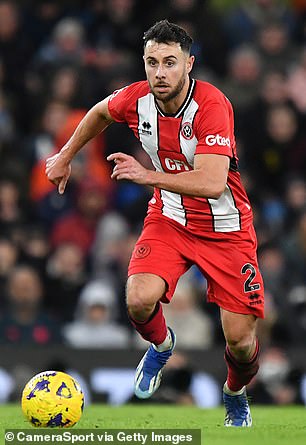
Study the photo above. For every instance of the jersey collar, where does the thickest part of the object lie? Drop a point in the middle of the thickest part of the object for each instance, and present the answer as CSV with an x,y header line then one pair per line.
x,y
184,105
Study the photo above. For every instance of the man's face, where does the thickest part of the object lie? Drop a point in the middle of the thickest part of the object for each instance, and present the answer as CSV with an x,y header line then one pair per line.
x,y
167,68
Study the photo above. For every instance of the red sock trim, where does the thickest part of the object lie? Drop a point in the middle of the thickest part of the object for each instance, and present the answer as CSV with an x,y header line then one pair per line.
x,y
153,329
156,309
240,373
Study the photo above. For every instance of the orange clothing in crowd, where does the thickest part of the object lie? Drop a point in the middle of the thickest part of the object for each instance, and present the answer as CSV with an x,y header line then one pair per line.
x,y
96,167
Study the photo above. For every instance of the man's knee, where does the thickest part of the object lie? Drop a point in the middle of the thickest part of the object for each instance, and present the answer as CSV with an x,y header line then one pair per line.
x,y
240,334
241,345
143,291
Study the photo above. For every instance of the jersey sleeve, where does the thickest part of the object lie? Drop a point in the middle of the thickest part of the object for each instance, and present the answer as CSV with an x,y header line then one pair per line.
x,y
215,128
117,104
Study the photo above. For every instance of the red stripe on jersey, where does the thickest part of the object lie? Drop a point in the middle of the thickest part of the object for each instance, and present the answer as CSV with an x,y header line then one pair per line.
x,y
168,130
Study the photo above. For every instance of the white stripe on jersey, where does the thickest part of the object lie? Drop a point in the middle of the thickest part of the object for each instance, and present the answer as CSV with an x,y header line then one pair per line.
x,y
225,213
173,207
147,112
148,128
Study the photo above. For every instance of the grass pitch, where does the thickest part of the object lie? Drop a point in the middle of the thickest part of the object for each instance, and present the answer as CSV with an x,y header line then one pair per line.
x,y
271,425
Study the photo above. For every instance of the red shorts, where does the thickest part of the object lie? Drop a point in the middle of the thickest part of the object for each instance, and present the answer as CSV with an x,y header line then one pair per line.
x,y
227,260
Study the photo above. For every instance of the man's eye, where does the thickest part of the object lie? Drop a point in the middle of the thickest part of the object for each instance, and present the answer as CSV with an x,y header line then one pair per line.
x,y
170,63
152,63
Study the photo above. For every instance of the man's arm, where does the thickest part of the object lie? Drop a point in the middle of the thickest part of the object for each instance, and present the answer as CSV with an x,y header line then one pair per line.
x,y
58,167
207,180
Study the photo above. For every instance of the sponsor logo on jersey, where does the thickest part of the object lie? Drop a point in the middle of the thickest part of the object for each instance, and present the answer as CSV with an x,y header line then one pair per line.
x,y
173,164
216,139
187,131
145,128
176,164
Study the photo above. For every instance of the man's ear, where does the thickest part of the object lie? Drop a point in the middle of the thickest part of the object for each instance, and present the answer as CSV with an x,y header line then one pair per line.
x,y
190,63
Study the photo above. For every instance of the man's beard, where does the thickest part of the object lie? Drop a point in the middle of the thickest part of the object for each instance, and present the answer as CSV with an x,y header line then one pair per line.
x,y
165,98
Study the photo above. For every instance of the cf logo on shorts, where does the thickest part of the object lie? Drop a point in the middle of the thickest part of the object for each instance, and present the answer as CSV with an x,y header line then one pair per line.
x,y
142,250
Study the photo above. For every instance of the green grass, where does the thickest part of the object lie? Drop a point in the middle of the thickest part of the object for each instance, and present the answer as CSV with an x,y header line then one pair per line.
x,y
271,425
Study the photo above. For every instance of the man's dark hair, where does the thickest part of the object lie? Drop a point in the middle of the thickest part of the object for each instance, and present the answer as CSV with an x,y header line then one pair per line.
x,y
166,32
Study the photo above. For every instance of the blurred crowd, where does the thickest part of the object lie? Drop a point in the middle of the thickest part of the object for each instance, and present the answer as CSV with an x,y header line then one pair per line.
x,y
63,259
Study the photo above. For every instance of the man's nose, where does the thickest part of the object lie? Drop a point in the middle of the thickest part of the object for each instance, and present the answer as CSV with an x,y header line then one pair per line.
x,y
160,71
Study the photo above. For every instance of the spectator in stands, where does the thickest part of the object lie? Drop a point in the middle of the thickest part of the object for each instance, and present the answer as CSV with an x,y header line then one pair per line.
x,y
282,152
90,164
294,247
272,92
111,235
40,19
296,312
273,268
121,28
66,45
297,83
245,18
41,141
66,274
275,48
9,253
243,79
110,256
276,327
295,200
66,87
24,321
35,248
79,226
16,50
12,209
193,326
95,326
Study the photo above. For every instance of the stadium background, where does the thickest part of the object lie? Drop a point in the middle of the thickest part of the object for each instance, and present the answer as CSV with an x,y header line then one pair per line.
x,y
63,260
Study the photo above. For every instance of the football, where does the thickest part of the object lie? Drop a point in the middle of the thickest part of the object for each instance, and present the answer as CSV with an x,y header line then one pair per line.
x,y
52,399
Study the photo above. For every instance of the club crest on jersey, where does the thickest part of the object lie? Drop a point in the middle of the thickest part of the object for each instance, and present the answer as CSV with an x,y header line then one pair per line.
x,y
145,128
142,251
187,131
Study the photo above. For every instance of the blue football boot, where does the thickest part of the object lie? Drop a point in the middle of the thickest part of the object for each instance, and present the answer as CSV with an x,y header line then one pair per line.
x,y
237,410
149,371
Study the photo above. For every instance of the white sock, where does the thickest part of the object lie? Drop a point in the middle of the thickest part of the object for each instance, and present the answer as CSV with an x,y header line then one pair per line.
x,y
166,344
232,393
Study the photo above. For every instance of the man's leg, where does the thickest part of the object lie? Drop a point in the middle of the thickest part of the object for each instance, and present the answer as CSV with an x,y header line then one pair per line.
x,y
241,356
144,292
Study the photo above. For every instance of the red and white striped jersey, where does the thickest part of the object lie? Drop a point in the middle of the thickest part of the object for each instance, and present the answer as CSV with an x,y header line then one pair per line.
x,y
203,124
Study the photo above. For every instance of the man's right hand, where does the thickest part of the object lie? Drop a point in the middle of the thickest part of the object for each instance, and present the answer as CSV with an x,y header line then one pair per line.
x,y
58,170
